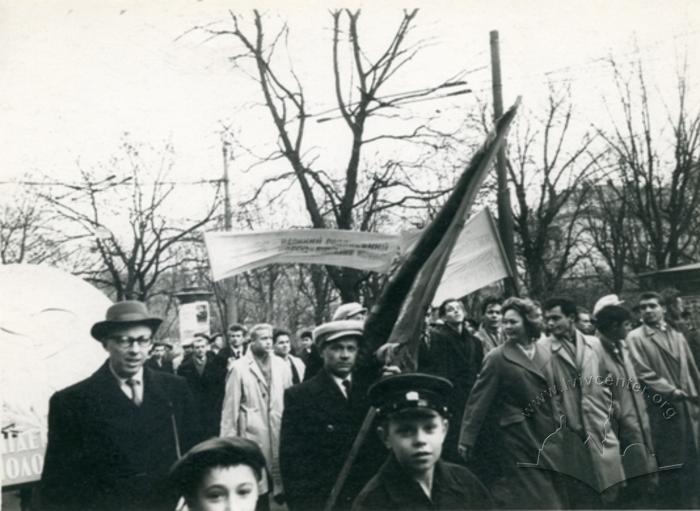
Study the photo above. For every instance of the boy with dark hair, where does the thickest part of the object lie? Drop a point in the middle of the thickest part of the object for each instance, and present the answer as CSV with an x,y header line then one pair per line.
x,y
413,414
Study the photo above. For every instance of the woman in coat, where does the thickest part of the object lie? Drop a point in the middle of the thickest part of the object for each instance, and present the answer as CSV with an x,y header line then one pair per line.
x,y
508,385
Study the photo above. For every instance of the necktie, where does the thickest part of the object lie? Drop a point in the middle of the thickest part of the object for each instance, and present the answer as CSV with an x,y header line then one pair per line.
x,y
134,385
346,386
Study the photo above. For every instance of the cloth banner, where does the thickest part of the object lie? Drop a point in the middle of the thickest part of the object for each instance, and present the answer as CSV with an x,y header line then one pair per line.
x,y
45,345
231,253
476,259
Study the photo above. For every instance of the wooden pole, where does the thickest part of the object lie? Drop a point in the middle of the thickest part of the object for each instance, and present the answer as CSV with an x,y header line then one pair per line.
x,y
230,285
505,216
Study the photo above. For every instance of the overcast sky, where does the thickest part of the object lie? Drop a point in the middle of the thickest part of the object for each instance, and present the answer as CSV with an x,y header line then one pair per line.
x,y
77,74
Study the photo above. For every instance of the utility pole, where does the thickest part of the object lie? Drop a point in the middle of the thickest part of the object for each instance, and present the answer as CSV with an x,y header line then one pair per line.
x,y
230,286
505,216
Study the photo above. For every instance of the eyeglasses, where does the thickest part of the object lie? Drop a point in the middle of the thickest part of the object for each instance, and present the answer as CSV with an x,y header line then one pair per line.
x,y
126,342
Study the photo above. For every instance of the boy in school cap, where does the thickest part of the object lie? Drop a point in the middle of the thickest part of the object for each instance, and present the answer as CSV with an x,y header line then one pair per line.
x,y
414,418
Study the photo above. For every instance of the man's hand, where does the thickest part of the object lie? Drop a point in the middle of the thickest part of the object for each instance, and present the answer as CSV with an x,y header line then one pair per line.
x,y
386,351
390,370
679,395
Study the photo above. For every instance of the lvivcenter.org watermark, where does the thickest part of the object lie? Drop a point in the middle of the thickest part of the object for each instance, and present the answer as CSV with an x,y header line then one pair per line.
x,y
668,411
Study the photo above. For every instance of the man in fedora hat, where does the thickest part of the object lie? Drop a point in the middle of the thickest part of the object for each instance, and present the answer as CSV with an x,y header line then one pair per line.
x,y
113,436
321,419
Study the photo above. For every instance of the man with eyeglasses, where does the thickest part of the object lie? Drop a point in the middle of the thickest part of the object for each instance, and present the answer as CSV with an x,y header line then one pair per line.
x,y
113,436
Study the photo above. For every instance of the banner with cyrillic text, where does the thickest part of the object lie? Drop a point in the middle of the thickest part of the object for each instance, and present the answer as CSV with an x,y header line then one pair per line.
x,y
231,253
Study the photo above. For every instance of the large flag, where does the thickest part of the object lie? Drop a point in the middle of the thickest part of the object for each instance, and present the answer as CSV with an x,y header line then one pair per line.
x,y
399,314
231,253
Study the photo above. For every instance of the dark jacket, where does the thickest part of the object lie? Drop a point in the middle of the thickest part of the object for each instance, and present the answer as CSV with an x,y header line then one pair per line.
x,y
458,358
226,353
167,365
319,426
392,489
105,453
207,390
511,388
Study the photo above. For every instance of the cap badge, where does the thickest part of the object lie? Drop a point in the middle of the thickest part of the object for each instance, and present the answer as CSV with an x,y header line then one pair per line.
x,y
412,396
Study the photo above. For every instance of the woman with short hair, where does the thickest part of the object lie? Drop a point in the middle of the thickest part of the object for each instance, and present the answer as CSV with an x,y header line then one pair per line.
x,y
509,389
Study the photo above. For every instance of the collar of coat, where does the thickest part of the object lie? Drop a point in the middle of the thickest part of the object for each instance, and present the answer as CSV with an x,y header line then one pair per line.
x,y
581,343
405,490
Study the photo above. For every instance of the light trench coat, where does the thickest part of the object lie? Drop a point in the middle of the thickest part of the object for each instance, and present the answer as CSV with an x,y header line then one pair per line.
x,y
253,410
595,405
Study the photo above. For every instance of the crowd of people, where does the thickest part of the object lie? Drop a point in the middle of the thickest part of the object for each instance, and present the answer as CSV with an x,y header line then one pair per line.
x,y
541,406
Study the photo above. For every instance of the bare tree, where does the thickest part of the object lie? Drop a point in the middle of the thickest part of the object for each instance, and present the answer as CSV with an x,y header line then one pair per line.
x,y
659,174
24,233
124,221
364,191
608,227
551,180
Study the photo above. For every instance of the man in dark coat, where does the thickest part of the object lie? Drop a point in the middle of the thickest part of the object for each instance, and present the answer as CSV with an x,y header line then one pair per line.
x,y
206,380
235,348
413,415
456,355
159,360
321,419
113,436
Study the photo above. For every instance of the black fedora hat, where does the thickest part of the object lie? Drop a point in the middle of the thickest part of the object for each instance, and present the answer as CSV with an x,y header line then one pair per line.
x,y
128,312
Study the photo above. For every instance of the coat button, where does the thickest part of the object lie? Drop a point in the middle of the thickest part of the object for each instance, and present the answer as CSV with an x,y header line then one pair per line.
x,y
330,428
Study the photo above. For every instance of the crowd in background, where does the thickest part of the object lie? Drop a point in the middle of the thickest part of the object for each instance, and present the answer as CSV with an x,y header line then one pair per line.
x,y
550,405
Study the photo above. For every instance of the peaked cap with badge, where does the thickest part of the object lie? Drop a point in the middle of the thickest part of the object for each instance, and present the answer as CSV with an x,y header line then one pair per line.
x,y
411,391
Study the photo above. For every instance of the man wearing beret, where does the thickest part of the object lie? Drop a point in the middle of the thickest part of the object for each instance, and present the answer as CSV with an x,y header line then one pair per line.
x,y
321,419
113,436
414,419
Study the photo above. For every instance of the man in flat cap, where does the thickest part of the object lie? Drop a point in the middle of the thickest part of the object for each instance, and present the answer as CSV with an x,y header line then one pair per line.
x,y
321,419
114,436
414,419
159,360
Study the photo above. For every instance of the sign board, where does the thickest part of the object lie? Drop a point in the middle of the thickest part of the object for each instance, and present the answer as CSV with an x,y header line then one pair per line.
x,y
45,345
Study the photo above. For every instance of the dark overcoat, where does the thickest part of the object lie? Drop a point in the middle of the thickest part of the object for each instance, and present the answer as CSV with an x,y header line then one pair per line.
x,y
514,389
105,453
456,357
319,426
166,365
392,489
207,390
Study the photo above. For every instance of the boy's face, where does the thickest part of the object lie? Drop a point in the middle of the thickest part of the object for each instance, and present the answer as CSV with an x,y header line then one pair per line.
x,y
416,441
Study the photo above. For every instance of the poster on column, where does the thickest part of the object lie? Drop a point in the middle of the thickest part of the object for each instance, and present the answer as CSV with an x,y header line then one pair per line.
x,y
194,319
